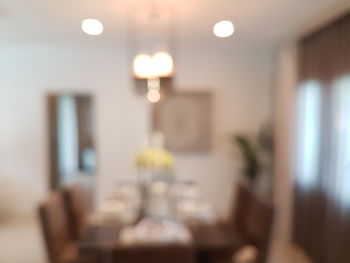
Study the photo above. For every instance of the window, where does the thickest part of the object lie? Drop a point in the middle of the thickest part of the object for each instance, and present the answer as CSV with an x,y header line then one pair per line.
x,y
340,140
308,133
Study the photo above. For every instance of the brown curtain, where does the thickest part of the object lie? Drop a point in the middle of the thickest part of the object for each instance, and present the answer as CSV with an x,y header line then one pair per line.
x,y
321,209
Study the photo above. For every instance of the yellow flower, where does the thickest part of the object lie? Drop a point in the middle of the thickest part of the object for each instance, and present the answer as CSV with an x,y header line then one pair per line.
x,y
153,158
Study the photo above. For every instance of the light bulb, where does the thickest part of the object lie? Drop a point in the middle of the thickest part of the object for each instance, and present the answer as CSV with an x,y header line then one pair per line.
x,y
153,83
223,29
92,26
143,66
153,95
163,64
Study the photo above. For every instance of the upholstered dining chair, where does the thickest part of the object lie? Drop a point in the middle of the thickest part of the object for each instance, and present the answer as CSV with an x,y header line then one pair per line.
x,y
259,227
236,224
78,205
59,245
251,221
152,254
241,209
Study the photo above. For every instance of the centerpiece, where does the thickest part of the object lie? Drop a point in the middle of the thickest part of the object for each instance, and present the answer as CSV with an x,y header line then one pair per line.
x,y
154,166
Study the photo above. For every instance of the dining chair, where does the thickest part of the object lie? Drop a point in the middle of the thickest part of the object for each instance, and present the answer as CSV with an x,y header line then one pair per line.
x,y
259,228
152,254
78,206
235,228
251,223
59,245
236,225
241,208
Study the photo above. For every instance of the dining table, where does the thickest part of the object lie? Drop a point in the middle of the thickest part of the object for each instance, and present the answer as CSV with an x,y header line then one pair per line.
x,y
210,241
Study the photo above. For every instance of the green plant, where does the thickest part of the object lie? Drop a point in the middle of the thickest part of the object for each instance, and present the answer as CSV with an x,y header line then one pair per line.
x,y
250,156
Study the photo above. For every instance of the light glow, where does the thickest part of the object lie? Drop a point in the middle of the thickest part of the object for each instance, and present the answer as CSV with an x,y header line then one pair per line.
x,y
163,64
159,65
223,29
153,83
92,27
153,95
143,66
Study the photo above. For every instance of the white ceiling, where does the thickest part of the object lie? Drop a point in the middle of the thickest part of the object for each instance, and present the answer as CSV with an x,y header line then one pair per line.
x,y
258,22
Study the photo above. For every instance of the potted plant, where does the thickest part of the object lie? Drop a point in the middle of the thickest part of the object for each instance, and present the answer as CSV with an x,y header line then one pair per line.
x,y
250,157
257,155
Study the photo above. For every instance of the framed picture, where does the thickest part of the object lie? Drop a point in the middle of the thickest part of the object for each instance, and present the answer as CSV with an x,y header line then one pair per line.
x,y
184,118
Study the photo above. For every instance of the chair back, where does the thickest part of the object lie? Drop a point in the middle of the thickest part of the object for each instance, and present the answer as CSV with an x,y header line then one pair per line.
x,y
78,206
259,227
152,254
54,225
241,208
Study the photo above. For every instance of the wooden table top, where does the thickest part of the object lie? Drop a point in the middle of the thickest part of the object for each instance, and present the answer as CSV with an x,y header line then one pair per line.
x,y
205,237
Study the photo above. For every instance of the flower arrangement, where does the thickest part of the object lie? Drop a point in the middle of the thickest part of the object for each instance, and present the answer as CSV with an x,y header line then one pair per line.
x,y
154,159
155,165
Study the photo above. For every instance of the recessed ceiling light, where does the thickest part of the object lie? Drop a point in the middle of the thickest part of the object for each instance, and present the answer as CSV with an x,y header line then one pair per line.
x,y
223,29
92,26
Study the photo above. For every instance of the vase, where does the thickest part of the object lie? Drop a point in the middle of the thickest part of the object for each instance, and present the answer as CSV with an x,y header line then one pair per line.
x,y
155,189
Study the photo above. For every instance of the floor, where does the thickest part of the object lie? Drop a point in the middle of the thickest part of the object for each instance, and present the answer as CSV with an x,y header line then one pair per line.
x,y
25,236
287,253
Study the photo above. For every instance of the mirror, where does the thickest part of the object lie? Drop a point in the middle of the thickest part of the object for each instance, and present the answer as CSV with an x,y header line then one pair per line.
x,y
71,127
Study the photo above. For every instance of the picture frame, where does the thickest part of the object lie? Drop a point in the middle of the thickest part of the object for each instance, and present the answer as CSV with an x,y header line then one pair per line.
x,y
184,118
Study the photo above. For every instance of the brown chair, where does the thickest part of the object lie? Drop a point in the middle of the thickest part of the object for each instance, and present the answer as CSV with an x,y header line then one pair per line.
x,y
152,254
78,206
259,227
236,225
59,245
241,209
252,220
235,230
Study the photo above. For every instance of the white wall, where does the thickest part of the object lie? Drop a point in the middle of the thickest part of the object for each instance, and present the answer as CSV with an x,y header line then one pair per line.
x,y
240,81
242,89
